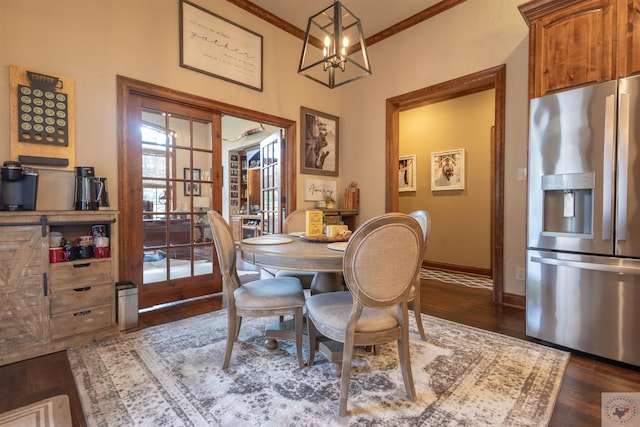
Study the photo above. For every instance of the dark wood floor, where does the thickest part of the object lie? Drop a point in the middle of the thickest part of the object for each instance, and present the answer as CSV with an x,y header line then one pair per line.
x,y
578,403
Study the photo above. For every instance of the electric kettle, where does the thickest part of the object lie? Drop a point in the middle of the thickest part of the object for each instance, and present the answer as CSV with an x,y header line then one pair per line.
x,y
88,189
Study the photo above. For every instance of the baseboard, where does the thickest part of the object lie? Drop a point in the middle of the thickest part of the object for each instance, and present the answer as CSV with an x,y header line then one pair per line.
x,y
455,268
513,300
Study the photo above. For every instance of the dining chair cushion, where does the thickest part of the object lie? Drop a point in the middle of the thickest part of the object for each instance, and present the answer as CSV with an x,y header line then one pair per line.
x,y
272,293
336,308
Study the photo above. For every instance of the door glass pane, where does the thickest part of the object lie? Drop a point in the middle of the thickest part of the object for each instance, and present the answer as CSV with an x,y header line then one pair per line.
x,y
202,135
202,167
181,128
177,156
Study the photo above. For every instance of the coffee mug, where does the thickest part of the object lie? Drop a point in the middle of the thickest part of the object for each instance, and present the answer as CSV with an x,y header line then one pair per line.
x,y
56,240
101,251
100,242
72,251
85,252
85,241
57,255
98,231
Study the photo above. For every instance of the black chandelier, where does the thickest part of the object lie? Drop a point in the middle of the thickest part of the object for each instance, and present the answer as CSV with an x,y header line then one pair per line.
x,y
334,51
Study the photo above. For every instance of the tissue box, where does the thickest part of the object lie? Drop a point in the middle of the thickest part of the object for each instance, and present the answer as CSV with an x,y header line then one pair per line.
x,y
336,230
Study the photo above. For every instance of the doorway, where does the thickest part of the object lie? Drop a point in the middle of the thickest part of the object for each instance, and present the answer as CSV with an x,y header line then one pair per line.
x,y
493,78
202,114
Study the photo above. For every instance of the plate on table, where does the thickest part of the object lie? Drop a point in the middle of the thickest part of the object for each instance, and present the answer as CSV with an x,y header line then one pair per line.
x,y
267,240
338,246
297,233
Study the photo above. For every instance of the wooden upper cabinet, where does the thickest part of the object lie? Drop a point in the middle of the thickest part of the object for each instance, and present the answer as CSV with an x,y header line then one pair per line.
x,y
628,38
571,43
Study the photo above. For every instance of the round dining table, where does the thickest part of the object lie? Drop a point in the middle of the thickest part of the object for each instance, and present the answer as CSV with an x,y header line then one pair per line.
x,y
292,252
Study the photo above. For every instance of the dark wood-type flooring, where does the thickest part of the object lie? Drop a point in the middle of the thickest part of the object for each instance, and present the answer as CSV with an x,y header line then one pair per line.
x,y
578,403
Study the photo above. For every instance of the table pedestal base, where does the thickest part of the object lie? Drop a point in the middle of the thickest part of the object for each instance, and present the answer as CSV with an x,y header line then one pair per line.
x,y
286,330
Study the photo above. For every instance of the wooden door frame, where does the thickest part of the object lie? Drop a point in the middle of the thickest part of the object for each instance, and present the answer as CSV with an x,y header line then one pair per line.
x,y
492,78
127,90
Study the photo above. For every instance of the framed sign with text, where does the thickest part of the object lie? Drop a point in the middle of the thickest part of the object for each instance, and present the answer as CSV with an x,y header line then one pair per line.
x,y
213,45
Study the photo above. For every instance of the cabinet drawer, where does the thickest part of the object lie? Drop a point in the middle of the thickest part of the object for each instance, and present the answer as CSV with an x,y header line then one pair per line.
x,y
79,322
79,274
76,299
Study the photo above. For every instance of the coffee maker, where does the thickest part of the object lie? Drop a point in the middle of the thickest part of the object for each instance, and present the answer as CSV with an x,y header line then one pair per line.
x,y
89,189
18,187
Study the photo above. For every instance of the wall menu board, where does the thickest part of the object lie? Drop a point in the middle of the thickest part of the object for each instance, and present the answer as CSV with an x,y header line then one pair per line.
x,y
42,113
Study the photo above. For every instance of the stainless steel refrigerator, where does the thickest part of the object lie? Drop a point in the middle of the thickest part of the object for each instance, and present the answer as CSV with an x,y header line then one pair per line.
x,y
583,231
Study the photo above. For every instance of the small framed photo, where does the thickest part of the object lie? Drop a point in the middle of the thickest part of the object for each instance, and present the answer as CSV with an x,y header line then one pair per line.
x,y
192,188
318,143
407,173
447,170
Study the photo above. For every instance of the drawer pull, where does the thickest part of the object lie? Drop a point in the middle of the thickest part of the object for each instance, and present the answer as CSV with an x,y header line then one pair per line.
x,y
86,288
86,264
82,313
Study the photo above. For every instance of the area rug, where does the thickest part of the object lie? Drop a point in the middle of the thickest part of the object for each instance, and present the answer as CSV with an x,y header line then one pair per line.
x,y
170,375
50,412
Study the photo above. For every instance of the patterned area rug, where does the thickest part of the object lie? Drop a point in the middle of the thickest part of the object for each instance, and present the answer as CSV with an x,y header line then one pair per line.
x,y
457,278
170,375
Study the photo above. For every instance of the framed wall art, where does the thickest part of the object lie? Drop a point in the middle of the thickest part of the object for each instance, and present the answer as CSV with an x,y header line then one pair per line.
x,y
192,188
447,170
213,45
407,173
318,143
317,189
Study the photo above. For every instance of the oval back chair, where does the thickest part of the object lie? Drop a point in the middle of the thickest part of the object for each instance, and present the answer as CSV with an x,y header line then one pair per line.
x,y
276,296
381,261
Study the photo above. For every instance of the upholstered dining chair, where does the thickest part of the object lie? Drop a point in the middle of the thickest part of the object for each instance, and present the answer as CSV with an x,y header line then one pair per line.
x,y
381,261
266,297
424,220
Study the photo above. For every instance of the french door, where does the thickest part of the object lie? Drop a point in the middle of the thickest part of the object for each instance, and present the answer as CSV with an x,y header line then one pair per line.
x,y
270,192
174,155
181,148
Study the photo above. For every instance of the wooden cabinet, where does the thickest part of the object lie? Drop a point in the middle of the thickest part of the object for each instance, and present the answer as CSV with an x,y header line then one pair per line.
x,y
577,42
48,307
244,179
24,306
628,37
243,226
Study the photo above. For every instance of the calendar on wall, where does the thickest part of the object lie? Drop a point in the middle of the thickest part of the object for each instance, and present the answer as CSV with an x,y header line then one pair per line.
x,y
42,114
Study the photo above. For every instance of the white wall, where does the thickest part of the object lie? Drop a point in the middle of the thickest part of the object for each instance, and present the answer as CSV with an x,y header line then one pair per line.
x,y
92,41
473,36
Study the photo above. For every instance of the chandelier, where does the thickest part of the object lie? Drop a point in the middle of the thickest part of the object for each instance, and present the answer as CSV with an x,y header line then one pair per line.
x,y
334,51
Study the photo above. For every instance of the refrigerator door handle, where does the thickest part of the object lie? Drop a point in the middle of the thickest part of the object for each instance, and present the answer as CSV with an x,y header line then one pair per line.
x,y
623,166
587,265
607,167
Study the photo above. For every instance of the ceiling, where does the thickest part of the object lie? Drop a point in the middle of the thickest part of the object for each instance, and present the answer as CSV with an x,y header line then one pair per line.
x,y
375,15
